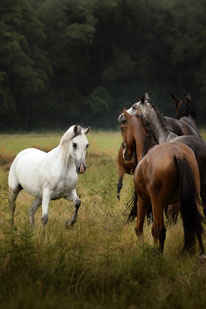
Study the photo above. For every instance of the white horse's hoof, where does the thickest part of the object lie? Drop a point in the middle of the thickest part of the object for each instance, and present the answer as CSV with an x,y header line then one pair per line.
x,y
69,223
202,258
44,220
31,220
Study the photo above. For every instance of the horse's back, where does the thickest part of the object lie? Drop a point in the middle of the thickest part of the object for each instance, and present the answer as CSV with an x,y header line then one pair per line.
x,y
157,171
161,156
28,156
182,126
24,167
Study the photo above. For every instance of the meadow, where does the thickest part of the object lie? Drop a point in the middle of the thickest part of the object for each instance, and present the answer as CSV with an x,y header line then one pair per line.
x,y
99,262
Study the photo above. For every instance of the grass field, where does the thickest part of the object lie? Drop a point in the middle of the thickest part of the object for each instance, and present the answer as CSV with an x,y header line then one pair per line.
x,y
98,263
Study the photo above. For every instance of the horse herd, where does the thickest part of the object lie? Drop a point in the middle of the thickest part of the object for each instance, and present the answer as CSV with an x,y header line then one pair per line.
x,y
166,156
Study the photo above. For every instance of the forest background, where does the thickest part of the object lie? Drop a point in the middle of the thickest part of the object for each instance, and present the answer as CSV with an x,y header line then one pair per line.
x,y
82,61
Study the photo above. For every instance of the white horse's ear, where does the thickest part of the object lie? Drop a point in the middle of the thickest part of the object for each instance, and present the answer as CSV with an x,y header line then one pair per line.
x,y
145,98
87,130
76,131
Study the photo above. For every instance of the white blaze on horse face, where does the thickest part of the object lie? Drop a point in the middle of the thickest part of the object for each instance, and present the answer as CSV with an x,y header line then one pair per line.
x,y
78,149
132,111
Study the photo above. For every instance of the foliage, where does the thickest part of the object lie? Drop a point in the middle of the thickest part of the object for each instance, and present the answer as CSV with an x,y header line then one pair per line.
x,y
82,61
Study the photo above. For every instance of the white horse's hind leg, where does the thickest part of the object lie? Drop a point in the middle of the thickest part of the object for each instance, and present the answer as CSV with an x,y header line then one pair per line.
x,y
35,205
77,202
13,193
45,206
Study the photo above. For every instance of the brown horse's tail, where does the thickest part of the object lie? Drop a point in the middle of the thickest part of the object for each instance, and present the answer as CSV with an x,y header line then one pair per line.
x,y
188,198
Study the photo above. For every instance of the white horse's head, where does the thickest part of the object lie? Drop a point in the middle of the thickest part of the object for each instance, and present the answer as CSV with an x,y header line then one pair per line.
x,y
75,143
143,104
78,148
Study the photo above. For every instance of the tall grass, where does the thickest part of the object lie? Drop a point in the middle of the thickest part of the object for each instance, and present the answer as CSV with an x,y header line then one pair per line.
x,y
98,263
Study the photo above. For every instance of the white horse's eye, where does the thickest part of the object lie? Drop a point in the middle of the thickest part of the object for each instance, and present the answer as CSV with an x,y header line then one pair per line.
x,y
75,145
133,107
87,146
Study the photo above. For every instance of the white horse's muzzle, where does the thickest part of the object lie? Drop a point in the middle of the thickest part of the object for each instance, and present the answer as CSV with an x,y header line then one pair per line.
x,y
81,168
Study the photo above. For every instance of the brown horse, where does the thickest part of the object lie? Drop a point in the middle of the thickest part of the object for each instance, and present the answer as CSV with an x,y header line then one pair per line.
x,y
167,173
186,117
124,167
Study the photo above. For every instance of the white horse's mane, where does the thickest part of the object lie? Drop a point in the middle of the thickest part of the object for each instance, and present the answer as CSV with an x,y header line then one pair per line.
x,y
70,134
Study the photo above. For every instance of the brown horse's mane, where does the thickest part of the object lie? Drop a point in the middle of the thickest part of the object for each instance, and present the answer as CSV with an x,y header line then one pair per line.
x,y
148,144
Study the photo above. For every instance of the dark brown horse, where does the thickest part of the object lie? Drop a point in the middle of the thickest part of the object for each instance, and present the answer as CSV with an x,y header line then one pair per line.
x,y
186,118
168,173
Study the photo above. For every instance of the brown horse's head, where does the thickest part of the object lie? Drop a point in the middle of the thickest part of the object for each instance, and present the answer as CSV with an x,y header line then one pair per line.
x,y
128,144
184,107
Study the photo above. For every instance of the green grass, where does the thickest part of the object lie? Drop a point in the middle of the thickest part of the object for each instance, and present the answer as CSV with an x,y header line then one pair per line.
x,y
19,142
99,263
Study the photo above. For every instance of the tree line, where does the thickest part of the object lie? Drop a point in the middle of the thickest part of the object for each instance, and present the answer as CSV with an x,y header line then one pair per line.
x,y
82,61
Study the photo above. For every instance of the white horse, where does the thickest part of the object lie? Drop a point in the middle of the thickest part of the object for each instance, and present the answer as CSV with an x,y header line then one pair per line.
x,y
50,176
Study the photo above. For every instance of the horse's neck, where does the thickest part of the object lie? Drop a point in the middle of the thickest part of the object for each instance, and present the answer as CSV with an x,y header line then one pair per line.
x,y
139,136
190,121
63,149
162,133
65,159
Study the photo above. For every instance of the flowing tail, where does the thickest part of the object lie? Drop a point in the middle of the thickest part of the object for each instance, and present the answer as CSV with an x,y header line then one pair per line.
x,y
188,198
131,206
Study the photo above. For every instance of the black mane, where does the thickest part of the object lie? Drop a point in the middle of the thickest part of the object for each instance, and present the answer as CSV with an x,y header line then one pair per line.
x,y
186,109
149,142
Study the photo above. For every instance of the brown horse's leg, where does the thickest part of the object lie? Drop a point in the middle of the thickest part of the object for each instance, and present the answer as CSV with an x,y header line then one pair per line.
x,y
203,195
158,227
120,182
201,246
171,212
141,212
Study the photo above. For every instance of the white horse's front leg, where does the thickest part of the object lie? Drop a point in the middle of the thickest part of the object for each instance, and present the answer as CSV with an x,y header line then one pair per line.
x,y
77,202
45,206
